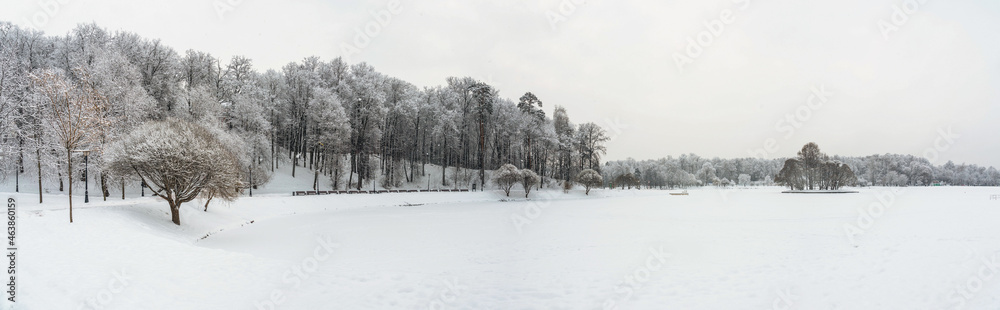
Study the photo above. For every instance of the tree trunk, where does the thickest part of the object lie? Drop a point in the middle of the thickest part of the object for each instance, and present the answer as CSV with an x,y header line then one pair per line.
x,y
207,201
350,173
444,160
315,180
336,175
69,173
482,158
361,167
20,165
175,212
104,187
272,142
38,160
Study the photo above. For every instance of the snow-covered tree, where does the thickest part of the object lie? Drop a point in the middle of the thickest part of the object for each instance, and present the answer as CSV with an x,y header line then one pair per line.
x,y
744,179
484,96
128,104
396,147
365,107
565,149
159,66
506,176
528,179
332,133
178,160
198,104
38,143
706,174
13,93
228,170
531,106
590,179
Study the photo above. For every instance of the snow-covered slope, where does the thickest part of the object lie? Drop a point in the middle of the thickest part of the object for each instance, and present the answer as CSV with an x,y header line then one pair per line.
x,y
925,248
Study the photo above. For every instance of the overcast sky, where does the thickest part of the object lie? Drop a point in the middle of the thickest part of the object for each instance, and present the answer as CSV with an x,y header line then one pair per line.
x,y
893,80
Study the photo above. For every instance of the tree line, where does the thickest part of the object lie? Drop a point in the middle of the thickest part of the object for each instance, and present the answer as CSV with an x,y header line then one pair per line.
x,y
874,170
344,125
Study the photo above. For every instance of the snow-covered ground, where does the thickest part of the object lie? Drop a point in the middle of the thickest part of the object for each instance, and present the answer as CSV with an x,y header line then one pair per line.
x,y
923,248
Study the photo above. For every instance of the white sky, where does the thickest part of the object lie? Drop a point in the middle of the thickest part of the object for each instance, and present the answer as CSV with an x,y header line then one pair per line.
x,y
610,62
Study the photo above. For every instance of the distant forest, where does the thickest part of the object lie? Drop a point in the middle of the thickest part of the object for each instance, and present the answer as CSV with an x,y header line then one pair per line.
x,y
872,170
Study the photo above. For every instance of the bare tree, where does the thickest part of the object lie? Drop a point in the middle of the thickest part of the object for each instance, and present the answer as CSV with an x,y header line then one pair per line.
x,y
74,115
591,142
811,158
791,174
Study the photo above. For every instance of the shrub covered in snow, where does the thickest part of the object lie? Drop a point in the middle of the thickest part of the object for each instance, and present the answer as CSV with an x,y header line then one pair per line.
x,y
528,179
506,177
589,178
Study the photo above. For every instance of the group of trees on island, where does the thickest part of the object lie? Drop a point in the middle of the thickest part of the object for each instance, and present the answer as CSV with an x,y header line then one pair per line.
x,y
814,170
343,125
